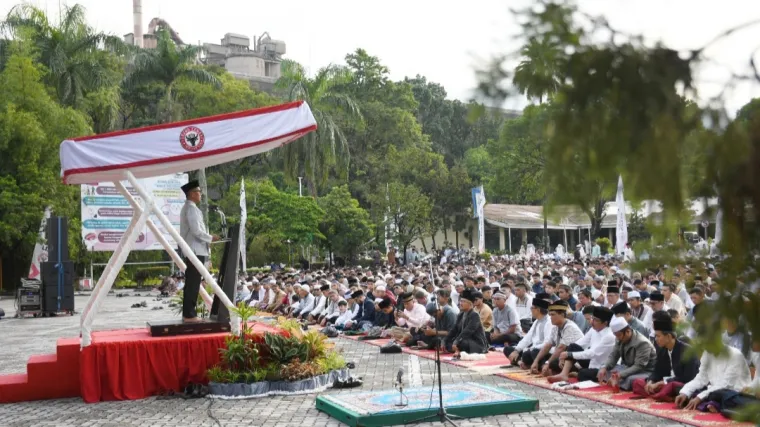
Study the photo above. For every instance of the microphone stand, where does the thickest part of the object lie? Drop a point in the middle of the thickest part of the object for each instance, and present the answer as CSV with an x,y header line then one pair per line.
x,y
400,384
441,415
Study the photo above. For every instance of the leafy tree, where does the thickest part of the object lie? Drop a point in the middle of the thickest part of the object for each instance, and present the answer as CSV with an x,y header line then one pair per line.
x,y
32,125
345,225
327,149
274,217
169,65
71,51
620,111
407,211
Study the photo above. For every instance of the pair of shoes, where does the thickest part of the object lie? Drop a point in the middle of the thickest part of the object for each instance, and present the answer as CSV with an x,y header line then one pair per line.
x,y
351,365
351,382
195,391
158,307
136,305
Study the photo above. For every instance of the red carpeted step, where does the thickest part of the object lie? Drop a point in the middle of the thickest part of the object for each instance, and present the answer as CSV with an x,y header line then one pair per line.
x,y
42,369
14,388
49,376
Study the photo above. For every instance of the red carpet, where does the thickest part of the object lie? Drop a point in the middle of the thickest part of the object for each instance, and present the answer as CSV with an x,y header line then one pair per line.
x,y
119,365
602,394
626,400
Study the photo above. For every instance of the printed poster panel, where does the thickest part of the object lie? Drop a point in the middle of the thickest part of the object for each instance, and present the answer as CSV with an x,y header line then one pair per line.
x,y
106,213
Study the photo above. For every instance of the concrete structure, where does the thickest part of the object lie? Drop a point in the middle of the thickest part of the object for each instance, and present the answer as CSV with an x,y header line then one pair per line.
x,y
510,226
259,64
137,18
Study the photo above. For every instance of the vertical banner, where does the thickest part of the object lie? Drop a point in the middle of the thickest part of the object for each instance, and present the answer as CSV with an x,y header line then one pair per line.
x,y
40,253
622,227
479,200
106,213
243,217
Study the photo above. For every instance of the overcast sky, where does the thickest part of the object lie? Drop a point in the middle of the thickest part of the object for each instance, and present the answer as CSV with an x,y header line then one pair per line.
x,y
442,40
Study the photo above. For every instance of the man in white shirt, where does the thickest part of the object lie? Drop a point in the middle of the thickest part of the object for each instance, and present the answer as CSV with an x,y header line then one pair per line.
x,y
305,303
523,302
721,371
321,303
332,312
414,315
527,349
672,300
590,352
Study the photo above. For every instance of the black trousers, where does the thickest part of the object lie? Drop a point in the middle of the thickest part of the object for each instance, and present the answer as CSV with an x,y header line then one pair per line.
x,y
556,367
529,356
192,288
506,339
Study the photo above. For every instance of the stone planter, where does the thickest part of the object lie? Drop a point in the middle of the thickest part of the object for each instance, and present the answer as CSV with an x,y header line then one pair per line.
x,y
276,388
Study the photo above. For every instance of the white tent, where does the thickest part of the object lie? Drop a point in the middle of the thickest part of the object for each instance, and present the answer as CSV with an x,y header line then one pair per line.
x,y
166,149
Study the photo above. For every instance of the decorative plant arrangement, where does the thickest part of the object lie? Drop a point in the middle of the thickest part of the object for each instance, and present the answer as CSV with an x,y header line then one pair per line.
x,y
257,365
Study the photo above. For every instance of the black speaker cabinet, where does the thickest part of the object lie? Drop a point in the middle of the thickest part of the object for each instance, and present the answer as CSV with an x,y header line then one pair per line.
x,y
57,234
51,292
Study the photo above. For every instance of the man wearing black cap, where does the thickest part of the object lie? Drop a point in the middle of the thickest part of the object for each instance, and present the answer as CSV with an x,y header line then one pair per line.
x,y
468,334
672,369
366,313
193,231
622,309
590,352
529,346
613,294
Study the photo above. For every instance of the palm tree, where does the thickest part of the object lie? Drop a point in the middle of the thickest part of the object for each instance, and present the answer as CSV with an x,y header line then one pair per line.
x,y
537,75
167,65
317,153
72,51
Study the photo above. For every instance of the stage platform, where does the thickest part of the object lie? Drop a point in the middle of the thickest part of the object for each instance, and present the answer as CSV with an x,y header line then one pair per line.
x,y
122,364
465,400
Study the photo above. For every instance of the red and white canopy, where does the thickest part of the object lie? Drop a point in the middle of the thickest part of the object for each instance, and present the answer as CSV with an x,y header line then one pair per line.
x,y
183,146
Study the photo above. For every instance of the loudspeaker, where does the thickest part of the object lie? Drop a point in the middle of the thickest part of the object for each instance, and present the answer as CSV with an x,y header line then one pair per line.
x,y
51,290
227,275
57,234
50,299
49,273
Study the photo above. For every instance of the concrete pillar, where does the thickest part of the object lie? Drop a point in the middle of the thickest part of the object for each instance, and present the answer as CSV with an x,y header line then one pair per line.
x,y
502,243
524,236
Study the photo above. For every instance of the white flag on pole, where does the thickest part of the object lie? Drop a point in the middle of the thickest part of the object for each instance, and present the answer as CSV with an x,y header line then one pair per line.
x,y
481,200
40,253
243,216
622,226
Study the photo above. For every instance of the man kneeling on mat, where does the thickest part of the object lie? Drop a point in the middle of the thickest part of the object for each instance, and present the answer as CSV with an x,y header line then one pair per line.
x,y
634,350
589,353
468,335
672,369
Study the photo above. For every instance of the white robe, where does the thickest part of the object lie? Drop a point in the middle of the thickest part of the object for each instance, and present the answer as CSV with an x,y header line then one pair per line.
x,y
726,371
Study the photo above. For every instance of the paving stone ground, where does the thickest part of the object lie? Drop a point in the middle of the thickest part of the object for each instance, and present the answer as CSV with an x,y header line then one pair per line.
x,y
21,338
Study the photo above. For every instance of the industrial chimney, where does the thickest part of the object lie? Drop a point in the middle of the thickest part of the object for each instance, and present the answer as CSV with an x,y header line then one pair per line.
x,y
137,16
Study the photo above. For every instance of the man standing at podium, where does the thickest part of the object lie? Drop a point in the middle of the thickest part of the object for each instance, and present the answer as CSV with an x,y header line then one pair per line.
x,y
193,231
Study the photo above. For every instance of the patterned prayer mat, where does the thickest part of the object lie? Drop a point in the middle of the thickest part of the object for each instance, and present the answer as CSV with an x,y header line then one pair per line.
x,y
630,401
379,408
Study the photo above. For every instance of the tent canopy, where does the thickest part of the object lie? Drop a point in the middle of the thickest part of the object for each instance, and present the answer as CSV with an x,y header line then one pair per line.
x,y
183,146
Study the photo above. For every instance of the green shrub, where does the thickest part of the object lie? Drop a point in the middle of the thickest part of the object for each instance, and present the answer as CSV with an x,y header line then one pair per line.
x,y
605,245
